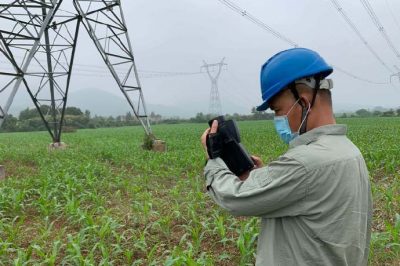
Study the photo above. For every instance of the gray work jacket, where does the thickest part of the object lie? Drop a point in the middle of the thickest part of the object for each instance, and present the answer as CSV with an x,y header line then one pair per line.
x,y
314,201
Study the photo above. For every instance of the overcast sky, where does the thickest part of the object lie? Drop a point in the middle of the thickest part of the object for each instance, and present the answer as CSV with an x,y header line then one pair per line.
x,y
177,35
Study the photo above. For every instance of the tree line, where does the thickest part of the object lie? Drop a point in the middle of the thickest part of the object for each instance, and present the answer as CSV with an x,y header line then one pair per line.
x,y
30,120
74,118
374,113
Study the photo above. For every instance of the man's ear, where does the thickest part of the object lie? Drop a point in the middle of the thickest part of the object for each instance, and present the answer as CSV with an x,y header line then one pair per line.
x,y
303,101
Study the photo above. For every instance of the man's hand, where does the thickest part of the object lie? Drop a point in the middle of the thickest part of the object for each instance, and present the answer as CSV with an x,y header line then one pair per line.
x,y
213,129
257,164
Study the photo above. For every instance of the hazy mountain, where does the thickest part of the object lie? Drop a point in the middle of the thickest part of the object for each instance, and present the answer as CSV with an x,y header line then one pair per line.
x,y
103,103
100,102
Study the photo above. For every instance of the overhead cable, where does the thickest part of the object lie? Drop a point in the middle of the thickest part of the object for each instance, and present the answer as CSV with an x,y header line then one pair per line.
x,y
263,25
392,14
102,70
358,78
358,33
380,27
256,21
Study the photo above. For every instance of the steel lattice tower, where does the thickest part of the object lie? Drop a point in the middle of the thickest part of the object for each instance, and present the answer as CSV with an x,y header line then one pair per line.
x,y
395,74
38,40
215,102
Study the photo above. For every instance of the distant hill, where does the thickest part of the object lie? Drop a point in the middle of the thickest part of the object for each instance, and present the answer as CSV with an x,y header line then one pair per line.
x,y
103,103
106,103
100,102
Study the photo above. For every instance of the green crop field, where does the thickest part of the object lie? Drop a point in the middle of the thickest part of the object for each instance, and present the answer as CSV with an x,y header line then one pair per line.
x,y
105,201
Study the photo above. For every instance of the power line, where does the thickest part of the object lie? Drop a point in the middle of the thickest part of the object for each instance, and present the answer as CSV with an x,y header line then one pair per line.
x,y
264,26
379,25
87,67
358,33
147,73
358,78
258,22
392,14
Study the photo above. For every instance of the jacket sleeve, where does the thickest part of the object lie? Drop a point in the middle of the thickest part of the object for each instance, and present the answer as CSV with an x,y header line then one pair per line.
x,y
276,190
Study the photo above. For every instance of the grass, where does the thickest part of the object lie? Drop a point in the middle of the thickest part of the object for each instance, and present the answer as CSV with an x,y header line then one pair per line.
x,y
105,201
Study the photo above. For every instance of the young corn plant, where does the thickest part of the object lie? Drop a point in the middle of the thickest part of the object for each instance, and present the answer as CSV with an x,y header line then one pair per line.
x,y
247,238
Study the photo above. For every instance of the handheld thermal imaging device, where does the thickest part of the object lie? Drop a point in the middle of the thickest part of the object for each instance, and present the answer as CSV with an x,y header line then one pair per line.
x,y
226,145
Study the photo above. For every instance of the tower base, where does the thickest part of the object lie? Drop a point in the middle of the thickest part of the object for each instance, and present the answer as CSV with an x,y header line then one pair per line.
x,y
57,146
2,172
159,145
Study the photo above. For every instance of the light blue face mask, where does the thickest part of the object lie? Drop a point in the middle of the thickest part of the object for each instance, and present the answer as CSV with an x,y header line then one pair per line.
x,y
283,128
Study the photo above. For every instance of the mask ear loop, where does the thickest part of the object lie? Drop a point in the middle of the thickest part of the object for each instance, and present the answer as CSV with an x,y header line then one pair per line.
x,y
292,106
304,113
304,116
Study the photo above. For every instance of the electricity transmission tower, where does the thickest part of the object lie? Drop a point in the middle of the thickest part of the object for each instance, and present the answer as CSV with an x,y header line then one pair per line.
x,y
215,102
38,41
395,74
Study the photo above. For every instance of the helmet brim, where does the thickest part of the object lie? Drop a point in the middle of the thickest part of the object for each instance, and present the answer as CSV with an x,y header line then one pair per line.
x,y
264,106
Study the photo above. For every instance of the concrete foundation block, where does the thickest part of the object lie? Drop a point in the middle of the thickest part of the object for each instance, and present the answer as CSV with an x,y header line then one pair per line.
x,y
2,172
159,145
57,146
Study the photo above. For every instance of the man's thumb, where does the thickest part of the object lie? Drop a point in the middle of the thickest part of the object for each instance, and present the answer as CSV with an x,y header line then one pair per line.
x,y
214,126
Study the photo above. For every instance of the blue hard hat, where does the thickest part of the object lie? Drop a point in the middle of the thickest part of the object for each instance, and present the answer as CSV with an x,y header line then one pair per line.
x,y
288,66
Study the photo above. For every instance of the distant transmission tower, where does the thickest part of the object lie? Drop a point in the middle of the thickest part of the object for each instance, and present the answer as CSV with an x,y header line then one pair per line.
x,y
396,74
38,39
215,102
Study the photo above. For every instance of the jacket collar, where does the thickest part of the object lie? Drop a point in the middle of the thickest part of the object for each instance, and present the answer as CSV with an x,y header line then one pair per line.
x,y
314,134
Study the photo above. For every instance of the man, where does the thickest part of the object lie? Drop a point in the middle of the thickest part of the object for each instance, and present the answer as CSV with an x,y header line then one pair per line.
x,y
314,201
